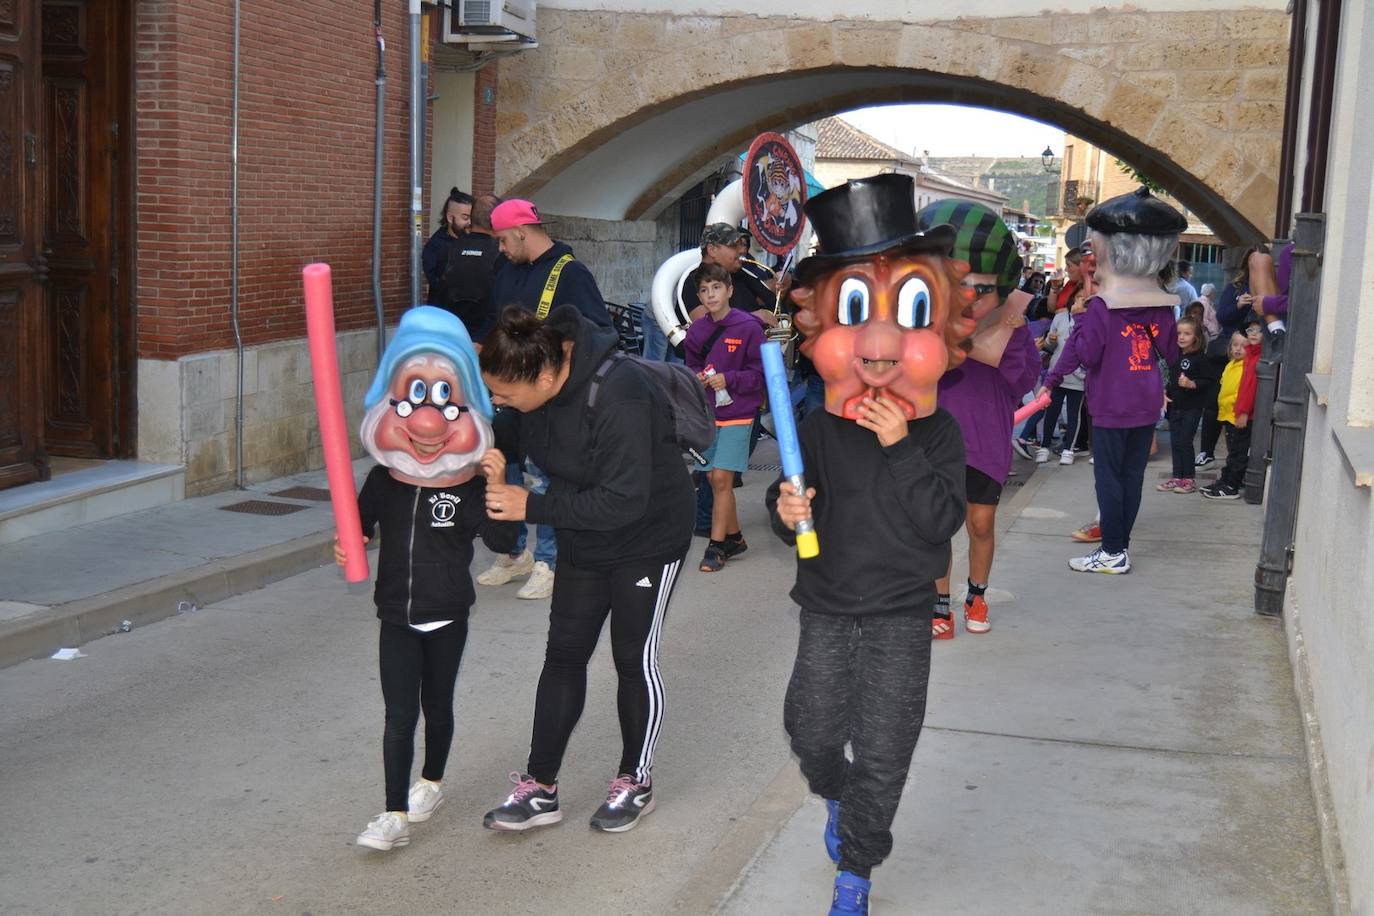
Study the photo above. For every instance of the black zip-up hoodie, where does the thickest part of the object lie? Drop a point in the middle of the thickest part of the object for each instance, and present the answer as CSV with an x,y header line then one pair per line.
x,y
523,284
1203,371
424,567
618,487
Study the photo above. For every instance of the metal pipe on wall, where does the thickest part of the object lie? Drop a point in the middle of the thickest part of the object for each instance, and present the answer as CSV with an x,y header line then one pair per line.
x,y
417,168
234,260
1290,417
378,151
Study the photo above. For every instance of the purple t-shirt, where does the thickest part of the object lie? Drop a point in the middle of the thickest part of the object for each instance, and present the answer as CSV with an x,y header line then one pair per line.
x,y
735,355
982,399
1120,349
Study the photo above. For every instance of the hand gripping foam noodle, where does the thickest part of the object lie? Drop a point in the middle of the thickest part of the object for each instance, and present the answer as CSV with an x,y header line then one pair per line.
x,y
785,427
324,365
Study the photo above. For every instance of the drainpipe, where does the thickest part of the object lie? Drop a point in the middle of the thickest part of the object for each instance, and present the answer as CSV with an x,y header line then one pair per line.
x,y
378,150
417,168
1290,417
234,262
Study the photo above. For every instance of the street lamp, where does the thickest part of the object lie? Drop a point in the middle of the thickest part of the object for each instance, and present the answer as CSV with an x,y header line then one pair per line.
x,y
1047,159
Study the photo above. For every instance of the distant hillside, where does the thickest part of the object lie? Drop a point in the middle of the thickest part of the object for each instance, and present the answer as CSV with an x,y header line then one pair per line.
x,y
1022,179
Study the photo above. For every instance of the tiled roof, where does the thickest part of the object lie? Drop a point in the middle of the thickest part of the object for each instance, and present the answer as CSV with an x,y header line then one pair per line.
x,y
837,139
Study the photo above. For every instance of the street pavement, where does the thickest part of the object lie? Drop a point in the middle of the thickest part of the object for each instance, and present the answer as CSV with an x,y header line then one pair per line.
x,y
1115,745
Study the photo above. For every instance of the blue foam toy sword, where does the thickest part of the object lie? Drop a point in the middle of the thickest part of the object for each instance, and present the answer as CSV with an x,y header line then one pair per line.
x,y
785,425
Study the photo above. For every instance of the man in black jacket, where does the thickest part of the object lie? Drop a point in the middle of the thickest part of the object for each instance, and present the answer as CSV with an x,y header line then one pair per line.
x,y
467,278
539,273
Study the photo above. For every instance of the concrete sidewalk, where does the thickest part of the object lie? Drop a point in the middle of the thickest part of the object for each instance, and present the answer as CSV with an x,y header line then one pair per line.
x,y
69,587
1116,744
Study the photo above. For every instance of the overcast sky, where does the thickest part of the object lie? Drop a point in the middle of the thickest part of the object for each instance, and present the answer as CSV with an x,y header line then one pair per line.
x,y
955,130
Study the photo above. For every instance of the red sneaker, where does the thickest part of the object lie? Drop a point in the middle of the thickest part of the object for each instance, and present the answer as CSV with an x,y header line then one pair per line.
x,y
942,627
976,615
1089,533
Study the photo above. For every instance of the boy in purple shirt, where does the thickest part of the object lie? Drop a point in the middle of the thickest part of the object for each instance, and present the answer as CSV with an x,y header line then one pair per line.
x,y
1126,331
983,393
722,347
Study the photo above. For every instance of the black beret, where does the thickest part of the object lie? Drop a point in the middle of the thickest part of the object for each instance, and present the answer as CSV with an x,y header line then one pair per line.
x,y
1138,213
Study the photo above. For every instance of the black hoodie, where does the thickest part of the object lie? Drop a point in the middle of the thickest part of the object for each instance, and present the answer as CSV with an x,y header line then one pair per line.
x,y
423,568
523,284
618,487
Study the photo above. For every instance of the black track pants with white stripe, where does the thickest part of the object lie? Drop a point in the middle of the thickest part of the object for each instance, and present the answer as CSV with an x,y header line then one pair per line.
x,y
636,596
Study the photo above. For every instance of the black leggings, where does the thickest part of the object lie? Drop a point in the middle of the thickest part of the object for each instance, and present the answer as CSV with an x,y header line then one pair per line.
x,y
1059,398
418,671
1211,430
636,596
1183,423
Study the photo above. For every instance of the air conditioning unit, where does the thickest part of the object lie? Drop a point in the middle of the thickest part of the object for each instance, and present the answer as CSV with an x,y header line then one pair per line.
x,y
490,22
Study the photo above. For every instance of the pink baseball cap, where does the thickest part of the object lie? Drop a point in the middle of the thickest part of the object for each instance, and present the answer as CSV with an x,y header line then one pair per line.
x,y
512,213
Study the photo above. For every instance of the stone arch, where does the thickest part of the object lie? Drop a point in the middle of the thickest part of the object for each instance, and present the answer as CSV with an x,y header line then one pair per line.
x,y
570,121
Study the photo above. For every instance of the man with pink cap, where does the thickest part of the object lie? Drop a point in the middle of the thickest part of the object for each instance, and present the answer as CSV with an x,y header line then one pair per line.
x,y
538,272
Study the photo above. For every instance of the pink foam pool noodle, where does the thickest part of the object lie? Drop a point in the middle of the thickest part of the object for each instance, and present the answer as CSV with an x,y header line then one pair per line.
x,y
338,461
1025,411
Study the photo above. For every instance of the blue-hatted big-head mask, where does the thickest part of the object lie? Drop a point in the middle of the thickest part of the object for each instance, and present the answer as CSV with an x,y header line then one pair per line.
x,y
428,413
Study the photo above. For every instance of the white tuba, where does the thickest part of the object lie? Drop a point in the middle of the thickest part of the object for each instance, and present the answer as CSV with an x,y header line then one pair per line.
x,y
665,297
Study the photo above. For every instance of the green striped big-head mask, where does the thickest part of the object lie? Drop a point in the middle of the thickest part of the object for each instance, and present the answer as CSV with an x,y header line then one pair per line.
x,y
983,240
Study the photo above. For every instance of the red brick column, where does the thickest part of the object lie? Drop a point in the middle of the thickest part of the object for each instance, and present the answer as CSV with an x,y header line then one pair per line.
x,y
484,130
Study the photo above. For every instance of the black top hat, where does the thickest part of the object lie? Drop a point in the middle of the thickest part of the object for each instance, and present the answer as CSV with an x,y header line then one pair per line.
x,y
1138,213
869,216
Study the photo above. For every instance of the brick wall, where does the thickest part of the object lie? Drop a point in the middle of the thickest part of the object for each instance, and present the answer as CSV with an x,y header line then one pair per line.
x,y
306,129
484,131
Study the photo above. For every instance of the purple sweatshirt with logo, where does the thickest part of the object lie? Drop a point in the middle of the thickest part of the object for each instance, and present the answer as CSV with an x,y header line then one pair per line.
x,y
1120,349
735,355
982,399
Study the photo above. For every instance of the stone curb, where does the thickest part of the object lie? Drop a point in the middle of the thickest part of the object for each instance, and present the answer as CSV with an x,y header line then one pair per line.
x,y
78,622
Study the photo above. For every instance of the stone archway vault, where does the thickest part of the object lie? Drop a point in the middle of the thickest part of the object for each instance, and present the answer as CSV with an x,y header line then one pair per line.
x,y
621,111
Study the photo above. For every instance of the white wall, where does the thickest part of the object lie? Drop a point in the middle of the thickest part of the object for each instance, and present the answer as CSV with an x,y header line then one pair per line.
x,y
451,143
904,10
1331,615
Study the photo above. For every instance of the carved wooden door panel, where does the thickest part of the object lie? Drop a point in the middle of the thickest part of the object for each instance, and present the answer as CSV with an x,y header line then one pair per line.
x,y
21,409
83,93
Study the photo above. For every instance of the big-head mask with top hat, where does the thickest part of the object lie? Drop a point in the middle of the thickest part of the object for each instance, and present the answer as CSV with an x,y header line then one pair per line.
x,y
879,305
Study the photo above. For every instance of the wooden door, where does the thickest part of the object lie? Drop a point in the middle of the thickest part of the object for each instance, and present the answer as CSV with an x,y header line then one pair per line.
x,y
21,408
85,216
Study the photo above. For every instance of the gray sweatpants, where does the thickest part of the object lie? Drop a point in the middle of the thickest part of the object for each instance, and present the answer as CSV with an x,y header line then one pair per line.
x,y
860,680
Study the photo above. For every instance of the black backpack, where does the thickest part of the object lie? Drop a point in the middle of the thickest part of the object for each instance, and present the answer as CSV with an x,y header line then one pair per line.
x,y
693,410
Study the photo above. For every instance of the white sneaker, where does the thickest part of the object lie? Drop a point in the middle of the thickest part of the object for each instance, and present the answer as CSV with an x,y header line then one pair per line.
x,y
1042,455
540,584
385,832
424,799
506,568
1066,456
1099,561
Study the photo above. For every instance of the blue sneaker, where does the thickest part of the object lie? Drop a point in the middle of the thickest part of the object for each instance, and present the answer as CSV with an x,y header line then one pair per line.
x,y
851,895
832,830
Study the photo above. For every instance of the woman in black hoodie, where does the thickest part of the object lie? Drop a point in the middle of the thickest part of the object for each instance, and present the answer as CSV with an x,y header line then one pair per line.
x,y
621,503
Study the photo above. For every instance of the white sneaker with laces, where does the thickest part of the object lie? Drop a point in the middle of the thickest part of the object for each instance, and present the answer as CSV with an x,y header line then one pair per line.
x,y
506,568
385,832
1100,561
424,799
1042,455
1066,456
540,584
